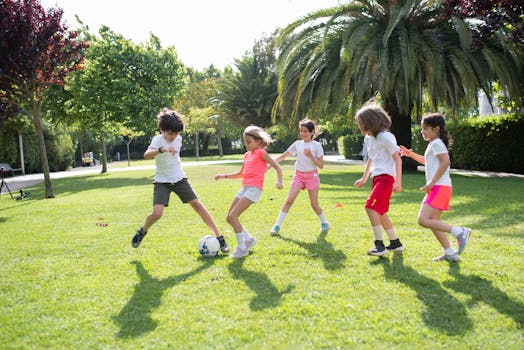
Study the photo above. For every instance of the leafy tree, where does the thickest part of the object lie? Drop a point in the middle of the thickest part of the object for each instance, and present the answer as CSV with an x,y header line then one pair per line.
x,y
391,49
246,96
123,85
37,52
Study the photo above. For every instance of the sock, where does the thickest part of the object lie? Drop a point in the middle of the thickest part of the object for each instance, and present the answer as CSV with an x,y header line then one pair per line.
x,y
455,231
377,232
240,240
391,234
245,233
280,219
322,218
449,250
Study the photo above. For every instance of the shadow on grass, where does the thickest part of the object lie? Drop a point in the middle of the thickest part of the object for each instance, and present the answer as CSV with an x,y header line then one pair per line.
x,y
267,295
332,259
482,290
444,312
135,317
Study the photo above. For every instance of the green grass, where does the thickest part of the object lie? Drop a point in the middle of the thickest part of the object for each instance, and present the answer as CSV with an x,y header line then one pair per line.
x,y
68,283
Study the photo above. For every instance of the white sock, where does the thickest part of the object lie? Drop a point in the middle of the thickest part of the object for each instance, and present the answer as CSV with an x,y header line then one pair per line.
x,y
449,251
245,233
322,218
455,231
280,219
377,232
391,234
240,240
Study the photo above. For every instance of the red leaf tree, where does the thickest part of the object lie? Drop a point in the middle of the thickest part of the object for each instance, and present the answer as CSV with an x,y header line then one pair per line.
x,y
36,51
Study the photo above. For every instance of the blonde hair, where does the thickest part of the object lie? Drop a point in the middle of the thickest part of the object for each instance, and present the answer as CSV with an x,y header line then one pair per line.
x,y
258,133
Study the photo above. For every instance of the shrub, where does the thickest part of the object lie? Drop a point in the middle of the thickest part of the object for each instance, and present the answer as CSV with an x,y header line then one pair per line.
x,y
350,146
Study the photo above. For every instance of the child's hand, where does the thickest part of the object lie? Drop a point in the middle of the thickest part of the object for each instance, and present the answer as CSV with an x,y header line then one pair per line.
x,y
404,152
359,183
219,176
307,152
427,187
397,187
279,184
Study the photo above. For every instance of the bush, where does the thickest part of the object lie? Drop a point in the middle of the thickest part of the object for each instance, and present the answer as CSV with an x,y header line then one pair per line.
x,y
488,143
350,146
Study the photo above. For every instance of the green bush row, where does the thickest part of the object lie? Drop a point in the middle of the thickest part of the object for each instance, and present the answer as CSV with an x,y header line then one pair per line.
x,y
350,146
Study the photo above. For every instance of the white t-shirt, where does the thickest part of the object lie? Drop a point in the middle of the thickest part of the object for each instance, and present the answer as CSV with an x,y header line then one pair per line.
x,y
435,148
168,166
304,163
380,150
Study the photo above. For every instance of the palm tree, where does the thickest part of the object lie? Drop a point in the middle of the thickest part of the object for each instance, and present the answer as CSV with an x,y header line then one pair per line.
x,y
395,49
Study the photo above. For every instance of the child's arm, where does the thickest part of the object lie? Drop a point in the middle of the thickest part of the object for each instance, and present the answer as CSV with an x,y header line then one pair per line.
x,y
397,185
151,152
283,156
236,175
362,181
277,167
409,153
319,162
444,164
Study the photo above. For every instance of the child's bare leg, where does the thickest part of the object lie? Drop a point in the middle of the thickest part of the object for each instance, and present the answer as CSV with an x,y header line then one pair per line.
x,y
293,193
235,211
155,215
313,200
429,217
204,214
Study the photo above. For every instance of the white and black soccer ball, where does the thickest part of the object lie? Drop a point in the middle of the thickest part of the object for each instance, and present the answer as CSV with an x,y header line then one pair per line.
x,y
208,246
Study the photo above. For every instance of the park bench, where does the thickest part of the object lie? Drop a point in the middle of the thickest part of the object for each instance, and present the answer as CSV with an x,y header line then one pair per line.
x,y
6,169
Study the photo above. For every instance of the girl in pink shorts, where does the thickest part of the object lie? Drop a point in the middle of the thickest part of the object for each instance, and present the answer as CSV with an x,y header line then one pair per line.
x,y
310,156
438,186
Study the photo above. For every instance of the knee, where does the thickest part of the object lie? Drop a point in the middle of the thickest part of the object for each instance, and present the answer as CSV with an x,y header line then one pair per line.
x,y
231,219
156,215
423,222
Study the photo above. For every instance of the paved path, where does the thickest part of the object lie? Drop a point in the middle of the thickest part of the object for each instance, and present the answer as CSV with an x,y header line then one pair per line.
x,y
17,183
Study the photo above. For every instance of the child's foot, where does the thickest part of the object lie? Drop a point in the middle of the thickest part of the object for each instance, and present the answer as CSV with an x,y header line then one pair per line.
x,y
395,246
274,230
138,237
250,242
324,227
239,253
224,248
378,249
447,257
462,239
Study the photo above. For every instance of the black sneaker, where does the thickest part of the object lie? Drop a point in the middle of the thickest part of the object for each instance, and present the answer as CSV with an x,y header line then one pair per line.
x,y
395,246
224,248
138,237
378,249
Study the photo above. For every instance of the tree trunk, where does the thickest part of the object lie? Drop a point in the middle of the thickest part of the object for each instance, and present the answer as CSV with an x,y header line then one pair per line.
x,y
401,128
21,146
196,145
104,152
128,155
219,142
81,146
37,121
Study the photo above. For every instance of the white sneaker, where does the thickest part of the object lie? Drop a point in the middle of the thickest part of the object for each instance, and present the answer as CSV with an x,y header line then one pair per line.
x,y
446,257
249,242
239,253
324,227
274,230
462,239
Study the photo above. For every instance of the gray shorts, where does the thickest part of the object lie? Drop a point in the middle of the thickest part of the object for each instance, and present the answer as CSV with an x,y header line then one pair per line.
x,y
250,192
163,190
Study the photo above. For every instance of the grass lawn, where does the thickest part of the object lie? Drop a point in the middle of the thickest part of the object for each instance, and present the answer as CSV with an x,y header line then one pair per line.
x,y
68,283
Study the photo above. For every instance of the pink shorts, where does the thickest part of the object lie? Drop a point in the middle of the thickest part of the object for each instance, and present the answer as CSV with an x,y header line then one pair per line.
x,y
382,187
438,197
306,180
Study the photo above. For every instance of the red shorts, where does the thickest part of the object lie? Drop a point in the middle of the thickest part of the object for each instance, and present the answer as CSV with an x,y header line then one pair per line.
x,y
382,187
306,180
438,197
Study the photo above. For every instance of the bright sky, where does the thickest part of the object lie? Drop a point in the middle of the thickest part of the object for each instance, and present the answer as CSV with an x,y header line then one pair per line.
x,y
203,32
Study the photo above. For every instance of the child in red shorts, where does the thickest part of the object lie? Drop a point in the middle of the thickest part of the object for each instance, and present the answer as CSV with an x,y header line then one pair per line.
x,y
385,166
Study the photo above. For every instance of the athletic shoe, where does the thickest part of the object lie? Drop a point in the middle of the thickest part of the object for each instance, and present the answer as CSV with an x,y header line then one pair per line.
x,y
395,246
378,249
324,227
239,253
462,239
274,230
138,237
446,257
224,248
249,242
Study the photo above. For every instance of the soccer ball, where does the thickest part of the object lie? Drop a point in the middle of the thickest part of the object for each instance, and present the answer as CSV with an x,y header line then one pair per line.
x,y
208,246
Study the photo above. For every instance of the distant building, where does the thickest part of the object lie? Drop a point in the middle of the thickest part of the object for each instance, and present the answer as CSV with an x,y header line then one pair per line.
x,y
487,108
